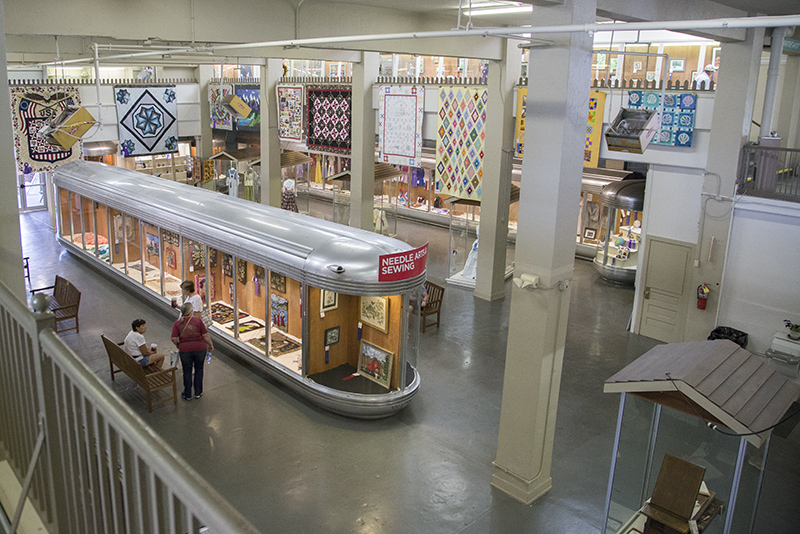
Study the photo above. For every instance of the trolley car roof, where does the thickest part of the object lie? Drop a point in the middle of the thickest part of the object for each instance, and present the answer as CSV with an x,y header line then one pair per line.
x,y
300,246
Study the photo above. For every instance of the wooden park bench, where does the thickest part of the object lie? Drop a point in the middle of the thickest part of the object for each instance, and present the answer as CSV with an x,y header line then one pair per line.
x,y
434,306
64,302
150,378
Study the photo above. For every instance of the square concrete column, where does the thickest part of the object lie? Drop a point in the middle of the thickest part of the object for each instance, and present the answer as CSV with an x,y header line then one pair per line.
x,y
362,164
10,241
730,129
271,74
497,164
205,143
557,108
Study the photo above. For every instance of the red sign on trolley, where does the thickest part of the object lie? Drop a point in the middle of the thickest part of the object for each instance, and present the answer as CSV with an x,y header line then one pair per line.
x,y
402,265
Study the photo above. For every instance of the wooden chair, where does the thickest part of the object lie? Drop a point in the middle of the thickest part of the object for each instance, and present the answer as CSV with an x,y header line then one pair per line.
x,y
434,306
26,268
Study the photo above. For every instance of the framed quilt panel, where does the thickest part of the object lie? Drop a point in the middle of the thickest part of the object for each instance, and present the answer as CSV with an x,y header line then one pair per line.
x,y
291,106
329,110
594,129
32,107
148,119
519,126
460,137
677,122
279,312
400,112
221,118
250,95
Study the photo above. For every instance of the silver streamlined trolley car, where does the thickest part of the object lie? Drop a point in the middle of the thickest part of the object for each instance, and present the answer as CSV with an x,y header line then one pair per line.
x,y
296,295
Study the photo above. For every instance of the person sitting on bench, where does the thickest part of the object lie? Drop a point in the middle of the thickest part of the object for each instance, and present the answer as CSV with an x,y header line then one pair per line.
x,y
136,345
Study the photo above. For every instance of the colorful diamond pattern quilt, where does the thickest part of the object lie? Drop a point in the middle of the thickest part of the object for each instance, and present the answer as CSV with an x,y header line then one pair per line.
x,y
329,109
221,118
290,111
148,119
400,111
460,140
677,122
32,107
594,129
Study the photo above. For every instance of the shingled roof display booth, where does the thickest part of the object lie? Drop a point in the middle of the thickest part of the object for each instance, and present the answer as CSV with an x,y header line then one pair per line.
x,y
709,403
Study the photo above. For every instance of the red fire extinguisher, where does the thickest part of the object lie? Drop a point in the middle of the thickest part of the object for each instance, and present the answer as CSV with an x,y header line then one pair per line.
x,y
702,296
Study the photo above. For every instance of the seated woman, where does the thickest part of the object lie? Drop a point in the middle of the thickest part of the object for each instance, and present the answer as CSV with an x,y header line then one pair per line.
x,y
136,345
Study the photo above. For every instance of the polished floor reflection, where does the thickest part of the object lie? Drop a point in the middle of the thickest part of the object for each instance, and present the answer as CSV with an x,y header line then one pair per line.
x,y
290,466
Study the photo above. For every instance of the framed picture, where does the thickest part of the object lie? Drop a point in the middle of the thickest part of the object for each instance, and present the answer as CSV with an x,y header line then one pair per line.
x,y
374,311
589,233
279,312
332,336
637,66
241,271
152,244
375,363
212,258
277,282
328,301
197,254
259,273
172,259
650,76
716,54
677,65
227,265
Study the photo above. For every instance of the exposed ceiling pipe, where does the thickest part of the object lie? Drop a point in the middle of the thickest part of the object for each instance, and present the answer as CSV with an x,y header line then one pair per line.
x,y
679,25
770,89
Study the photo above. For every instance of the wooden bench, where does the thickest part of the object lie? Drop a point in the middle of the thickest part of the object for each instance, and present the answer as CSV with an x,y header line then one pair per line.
x,y
434,305
150,378
64,302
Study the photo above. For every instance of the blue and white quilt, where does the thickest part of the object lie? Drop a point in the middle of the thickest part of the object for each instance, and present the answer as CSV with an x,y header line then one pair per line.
x,y
148,120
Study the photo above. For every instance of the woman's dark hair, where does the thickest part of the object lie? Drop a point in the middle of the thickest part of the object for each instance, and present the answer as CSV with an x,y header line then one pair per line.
x,y
188,285
136,323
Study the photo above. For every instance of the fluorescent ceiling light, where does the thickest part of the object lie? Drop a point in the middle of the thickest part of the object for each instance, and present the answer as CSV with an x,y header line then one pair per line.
x,y
498,11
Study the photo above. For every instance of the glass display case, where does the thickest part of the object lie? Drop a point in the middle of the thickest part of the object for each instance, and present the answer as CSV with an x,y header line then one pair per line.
x,y
306,300
589,218
384,211
619,236
464,237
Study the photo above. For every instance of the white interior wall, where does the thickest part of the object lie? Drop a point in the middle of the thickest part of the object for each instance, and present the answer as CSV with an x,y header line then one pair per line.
x,y
759,286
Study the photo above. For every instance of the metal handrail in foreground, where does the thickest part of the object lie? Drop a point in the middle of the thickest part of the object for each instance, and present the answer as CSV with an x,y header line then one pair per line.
x,y
769,172
102,469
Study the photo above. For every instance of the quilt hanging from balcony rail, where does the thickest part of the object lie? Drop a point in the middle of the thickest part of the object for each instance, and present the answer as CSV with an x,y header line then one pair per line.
x,y
677,123
148,119
291,110
221,117
460,141
594,129
329,110
400,111
250,95
32,107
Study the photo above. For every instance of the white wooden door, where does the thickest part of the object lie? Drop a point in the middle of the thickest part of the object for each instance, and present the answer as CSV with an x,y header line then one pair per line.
x,y
666,294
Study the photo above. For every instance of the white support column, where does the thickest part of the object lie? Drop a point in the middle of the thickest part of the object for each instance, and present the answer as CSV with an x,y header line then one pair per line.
x,y
362,164
730,129
497,163
548,215
270,143
205,143
10,241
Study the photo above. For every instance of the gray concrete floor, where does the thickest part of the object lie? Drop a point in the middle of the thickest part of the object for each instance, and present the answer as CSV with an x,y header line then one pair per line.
x,y
290,466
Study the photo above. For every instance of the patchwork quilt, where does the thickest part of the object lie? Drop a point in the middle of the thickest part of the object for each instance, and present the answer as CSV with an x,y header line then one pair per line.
x,y
148,119
290,111
329,112
677,122
400,111
221,118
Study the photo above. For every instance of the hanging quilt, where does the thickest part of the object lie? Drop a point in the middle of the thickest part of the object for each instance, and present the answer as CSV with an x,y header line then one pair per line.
x,y
32,107
279,312
677,122
329,111
519,128
221,118
148,119
251,95
290,112
594,129
400,111
459,141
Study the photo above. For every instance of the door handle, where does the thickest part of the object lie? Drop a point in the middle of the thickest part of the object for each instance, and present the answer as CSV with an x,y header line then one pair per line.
x,y
647,292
